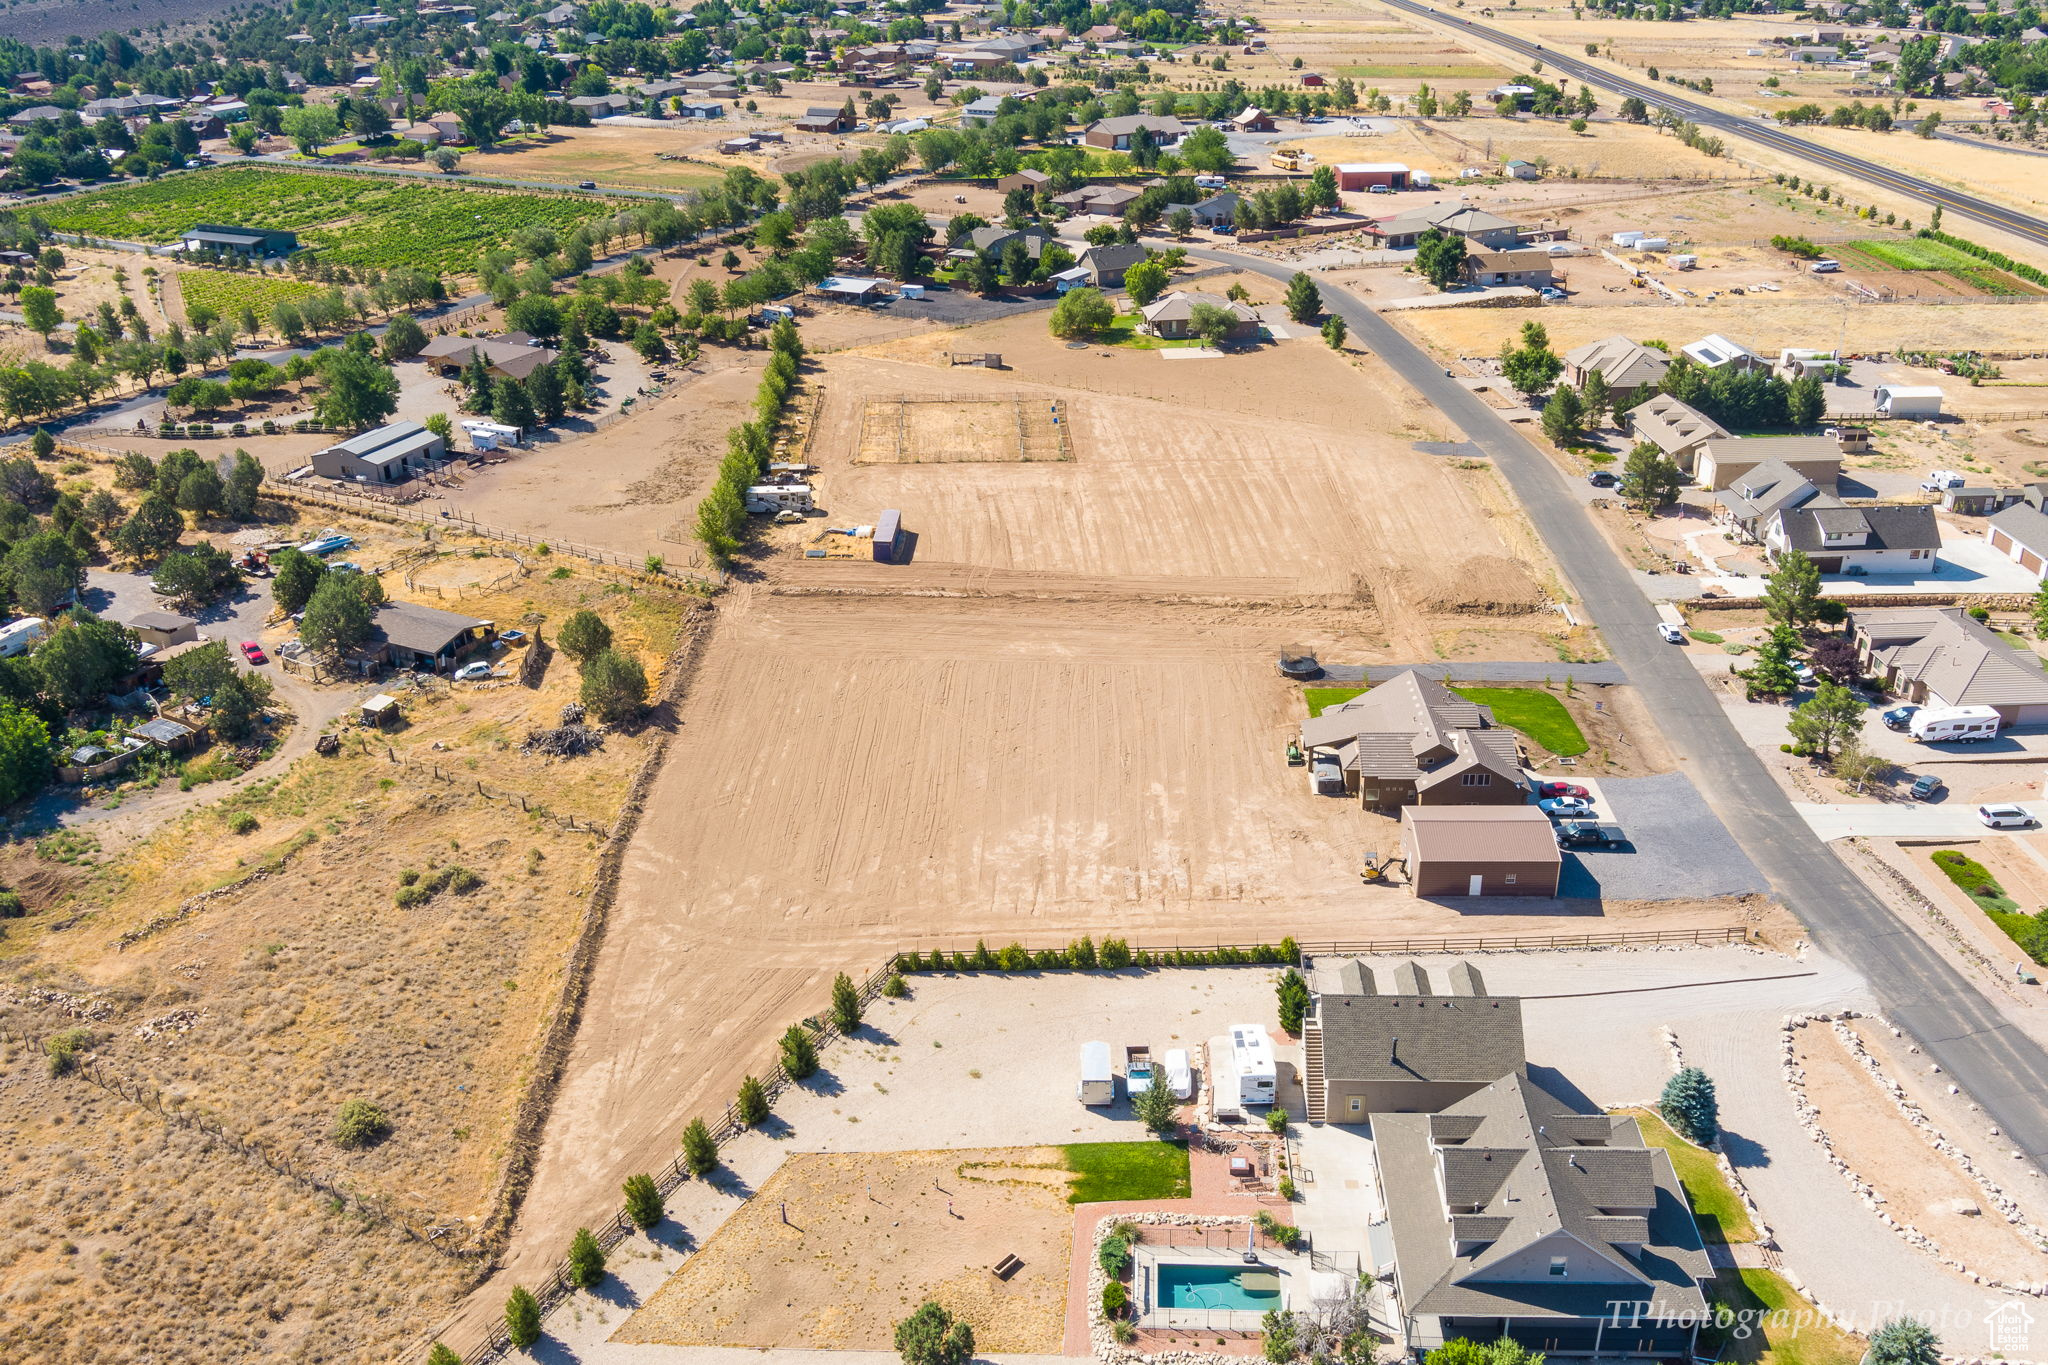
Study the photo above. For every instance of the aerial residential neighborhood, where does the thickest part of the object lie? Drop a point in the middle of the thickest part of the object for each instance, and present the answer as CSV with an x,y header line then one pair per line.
x,y
1363,681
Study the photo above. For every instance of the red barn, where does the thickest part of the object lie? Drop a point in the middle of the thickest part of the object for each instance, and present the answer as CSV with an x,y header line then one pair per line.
x,y
1361,175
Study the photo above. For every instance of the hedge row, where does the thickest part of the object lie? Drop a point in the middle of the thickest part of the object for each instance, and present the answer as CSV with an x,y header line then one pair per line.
x,y
1084,954
722,516
1988,256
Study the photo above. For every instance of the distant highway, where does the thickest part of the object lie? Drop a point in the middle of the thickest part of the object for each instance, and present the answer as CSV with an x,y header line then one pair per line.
x,y
1759,130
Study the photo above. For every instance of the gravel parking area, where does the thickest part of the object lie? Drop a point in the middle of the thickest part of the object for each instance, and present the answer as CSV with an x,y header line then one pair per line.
x,y
1678,847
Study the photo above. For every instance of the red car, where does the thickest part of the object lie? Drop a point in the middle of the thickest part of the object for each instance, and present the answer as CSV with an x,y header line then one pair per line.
x,y
1547,790
253,652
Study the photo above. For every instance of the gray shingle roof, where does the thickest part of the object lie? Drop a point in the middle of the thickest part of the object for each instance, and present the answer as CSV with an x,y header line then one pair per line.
x,y
2026,525
1408,1036
1882,528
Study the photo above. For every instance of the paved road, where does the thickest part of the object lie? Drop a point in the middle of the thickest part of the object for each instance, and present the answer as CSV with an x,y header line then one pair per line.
x,y
2001,1067
1758,130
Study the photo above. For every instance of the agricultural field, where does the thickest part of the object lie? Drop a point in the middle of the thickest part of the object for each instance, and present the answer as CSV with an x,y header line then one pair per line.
x,y
350,220
1917,253
227,293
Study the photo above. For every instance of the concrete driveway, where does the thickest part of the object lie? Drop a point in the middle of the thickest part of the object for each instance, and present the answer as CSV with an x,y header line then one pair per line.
x,y
1904,820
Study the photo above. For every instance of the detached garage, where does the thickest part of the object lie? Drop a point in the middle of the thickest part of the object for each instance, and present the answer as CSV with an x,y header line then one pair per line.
x,y
1363,175
1480,851
2021,534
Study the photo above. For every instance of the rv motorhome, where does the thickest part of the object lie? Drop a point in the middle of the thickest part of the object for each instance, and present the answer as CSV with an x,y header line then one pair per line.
x,y
1251,1057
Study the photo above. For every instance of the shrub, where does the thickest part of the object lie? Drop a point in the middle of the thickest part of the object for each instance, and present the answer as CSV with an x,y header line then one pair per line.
x,y
360,1124
1286,1188
799,1053
700,1152
1975,880
241,822
62,1049
1124,1330
1980,613
1114,1252
895,988
11,906
1114,1297
1294,1000
1282,1234
1276,1119
752,1102
586,1260
643,1200
931,1336
1115,953
442,1355
522,1317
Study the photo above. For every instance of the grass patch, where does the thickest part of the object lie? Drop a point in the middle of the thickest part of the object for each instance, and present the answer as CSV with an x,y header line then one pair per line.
x,y
1535,713
1715,1205
1706,637
1126,1170
1321,699
1975,881
1422,71
1917,253
1789,1331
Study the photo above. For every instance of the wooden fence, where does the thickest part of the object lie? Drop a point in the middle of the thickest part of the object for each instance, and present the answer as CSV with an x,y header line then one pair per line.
x,y
434,772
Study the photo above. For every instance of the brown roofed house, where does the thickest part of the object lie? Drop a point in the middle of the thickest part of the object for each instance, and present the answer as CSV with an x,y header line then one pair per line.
x,y
1677,429
1413,741
1629,368
503,359
1938,656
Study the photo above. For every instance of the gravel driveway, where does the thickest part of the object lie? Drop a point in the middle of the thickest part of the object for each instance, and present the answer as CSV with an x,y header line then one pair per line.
x,y
1680,850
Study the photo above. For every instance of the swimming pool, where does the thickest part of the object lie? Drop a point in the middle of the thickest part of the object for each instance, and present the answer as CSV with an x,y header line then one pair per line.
x,y
1249,1288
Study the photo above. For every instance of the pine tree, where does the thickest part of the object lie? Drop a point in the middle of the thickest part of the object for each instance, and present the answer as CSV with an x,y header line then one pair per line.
x,y
752,1102
522,1317
1156,1108
1904,1341
845,1004
799,1053
700,1152
1334,332
1294,1000
586,1260
1792,593
1689,1106
1304,300
643,1200
442,1355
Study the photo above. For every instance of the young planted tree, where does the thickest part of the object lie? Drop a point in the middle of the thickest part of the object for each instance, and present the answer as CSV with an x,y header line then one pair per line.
x,y
522,1317
799,1053
1792,591
1156,1107
1294,1000
700,1152
1689,1106
752,1102
643,1200
614,684
1649,480
1595,398
1564,417
1334,331
1533,366
586,1260
845,1004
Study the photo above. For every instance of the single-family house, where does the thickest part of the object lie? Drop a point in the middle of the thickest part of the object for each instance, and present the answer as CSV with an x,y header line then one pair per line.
x,y
823,118
975,113
1364,175
1413,741
1529,266
1118,134
407,635
426,134
1630,369
1171,316
239,241
600,106
163,628
1513,1213
1755,497
1675,428
1717,352
1919,402
1251,119
1107,200
1476,226
503,359
2020,533
994,241
1394,1046
35,113
1724,459
1218,210
1026,179
125,106
383,455
1105,265
1480,850
1857,540
1938,656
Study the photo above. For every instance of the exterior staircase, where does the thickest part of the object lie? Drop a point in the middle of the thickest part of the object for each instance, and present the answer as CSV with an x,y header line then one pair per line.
x,y
1314,1095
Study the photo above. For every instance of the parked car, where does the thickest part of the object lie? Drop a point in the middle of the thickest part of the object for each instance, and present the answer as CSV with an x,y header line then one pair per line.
x,y
1551,293
1599,478
1563,789
472,672
1589,834
1899,717
253,652
2005,817
1565,806
1804,672
1926,787
1671,634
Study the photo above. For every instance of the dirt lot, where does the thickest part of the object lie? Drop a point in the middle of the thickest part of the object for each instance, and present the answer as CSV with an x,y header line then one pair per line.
x,y
1918,1183
265,1009
835,1248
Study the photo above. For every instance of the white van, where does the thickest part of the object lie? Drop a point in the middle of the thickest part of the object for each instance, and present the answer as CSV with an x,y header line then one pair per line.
x,y
1097,1086
18,637
1180,1077
1955,724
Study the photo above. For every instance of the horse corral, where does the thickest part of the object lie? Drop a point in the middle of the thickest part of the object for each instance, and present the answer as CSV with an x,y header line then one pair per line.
x,y
963,429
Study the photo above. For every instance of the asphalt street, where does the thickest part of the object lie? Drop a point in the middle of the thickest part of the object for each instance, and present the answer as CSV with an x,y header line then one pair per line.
x,y
2000,1066
1759,130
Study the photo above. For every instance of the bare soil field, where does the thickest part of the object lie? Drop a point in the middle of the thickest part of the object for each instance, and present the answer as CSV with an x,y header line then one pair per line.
x,y
929,428
1608,150
612,154
835,1248
1919,1184
303,985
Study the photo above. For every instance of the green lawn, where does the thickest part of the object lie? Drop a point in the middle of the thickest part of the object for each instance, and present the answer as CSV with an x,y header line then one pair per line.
x,y
1127,1170
1792,1331
1535,713
1715,1205
1917,253
1320,699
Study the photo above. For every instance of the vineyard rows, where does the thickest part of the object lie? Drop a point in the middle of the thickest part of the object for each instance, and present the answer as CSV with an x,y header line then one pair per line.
x,y
349,220
228,294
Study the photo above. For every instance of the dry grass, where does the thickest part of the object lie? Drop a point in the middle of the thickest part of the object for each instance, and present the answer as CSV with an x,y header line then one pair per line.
x,y
967,429
268,1007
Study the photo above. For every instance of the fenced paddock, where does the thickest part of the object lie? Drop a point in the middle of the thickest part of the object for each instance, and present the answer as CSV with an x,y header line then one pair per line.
x,y
962,429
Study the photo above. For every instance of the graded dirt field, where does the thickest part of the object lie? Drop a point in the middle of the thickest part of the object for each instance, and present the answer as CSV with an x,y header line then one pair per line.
x,y
835,1248
1447,146
627,155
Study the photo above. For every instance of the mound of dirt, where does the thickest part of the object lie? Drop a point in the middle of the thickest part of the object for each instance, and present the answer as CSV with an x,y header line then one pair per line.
x,y
1488,585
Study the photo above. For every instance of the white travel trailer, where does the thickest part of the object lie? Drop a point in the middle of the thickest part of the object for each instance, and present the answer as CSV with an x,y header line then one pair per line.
x,y
1251,1057
1180,1077
17,637
1097,1086
1955,724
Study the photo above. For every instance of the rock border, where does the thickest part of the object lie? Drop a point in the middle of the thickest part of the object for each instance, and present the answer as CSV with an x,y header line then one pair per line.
x,y
1100,1337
